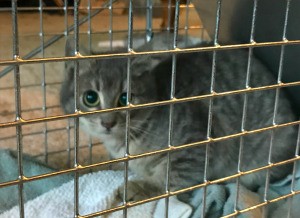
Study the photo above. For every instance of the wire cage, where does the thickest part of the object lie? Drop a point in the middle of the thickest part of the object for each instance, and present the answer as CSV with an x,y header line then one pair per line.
x,y
32,59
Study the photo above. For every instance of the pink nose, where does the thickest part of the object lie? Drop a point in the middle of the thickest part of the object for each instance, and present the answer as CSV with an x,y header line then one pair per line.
x,y
108,125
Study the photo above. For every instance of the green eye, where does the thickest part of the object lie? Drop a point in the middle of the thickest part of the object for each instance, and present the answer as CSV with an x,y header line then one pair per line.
x,y
91,98
123,99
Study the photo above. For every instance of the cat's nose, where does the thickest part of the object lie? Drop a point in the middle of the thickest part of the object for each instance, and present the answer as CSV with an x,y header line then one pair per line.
x,y
108,125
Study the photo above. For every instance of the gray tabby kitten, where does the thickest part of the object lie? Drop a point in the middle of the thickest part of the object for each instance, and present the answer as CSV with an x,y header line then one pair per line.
x,y
103,85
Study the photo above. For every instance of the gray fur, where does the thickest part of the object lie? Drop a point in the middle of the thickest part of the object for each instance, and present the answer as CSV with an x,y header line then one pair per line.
x,y
149,127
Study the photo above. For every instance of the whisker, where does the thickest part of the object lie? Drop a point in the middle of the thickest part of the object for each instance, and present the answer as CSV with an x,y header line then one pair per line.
x,y
134,128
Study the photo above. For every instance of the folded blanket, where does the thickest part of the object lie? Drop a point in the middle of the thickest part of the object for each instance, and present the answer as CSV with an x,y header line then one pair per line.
x,y
97,191
9,171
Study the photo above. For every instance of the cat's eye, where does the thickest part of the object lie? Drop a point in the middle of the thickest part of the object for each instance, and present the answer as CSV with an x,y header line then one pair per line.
x,y
123,99
91,98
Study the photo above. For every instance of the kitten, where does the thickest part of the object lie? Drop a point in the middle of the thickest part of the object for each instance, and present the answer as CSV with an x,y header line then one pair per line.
x,y
103,85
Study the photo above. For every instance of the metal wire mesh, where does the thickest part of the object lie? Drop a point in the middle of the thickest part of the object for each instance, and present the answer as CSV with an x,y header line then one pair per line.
x,y
51,120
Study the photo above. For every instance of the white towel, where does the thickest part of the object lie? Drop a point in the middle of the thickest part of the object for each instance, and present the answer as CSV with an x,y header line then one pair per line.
x,y
97,191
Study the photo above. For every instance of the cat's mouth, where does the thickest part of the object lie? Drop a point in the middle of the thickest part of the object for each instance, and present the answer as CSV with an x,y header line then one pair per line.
x,y
109,131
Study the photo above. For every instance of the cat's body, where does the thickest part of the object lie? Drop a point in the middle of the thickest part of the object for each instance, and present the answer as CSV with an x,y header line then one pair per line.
x,y
149,126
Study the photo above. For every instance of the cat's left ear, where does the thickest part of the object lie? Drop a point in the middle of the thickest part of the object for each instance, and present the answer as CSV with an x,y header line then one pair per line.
x,y
70,48
146,63
69,52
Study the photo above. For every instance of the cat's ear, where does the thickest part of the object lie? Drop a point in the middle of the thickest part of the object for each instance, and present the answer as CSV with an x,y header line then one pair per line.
x,y
69,65
70,48
70,52
143,64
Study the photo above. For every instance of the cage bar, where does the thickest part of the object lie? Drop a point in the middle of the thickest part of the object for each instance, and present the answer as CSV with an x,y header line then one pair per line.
x,y
274,119
149,31
171,108
18,109
68,128
211,103
76,109
89,31
187,25
161,103
128,103
66,32
43,85
245,103
294,175
21,61
132,157
110,31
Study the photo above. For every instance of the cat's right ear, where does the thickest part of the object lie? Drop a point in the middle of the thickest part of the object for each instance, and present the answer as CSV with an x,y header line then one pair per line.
x,y
70,47
69,52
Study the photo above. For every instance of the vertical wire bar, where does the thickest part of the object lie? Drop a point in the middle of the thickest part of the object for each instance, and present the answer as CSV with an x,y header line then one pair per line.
x,y
170,8
76,119
274,119
90,150
211,103
127,130
187,23
66,33
69,143
18,104
245,103
294,174
130,27
43,79
176,25
110,31
288,2
149,32
171,108
89,32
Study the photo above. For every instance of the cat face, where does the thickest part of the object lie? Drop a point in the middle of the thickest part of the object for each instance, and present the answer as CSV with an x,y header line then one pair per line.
x,y
103,85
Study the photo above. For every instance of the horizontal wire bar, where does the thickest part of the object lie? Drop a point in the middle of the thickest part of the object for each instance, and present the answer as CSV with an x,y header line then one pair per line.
x,y
20,61
262,204
136,30
31,85
22,121
169,149
34,133
67,150
71,8
30,109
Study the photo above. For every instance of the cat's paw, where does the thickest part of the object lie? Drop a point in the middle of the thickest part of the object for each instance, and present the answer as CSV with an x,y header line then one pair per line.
x,y
135,192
